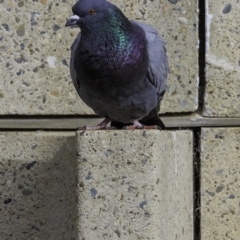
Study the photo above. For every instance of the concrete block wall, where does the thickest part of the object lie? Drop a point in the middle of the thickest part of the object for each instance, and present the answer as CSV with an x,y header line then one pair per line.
x,y
55,184
37,185
222,93
36,51
220,188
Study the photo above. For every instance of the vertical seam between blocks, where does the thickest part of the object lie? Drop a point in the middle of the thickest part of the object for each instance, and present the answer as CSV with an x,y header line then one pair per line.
x,y
197,183
201,54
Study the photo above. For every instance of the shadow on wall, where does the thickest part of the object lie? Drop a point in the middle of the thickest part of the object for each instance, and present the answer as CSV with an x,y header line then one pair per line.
x,y
37,186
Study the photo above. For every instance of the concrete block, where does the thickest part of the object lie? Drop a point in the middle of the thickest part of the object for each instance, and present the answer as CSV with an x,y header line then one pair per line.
x,y
35,46
220,187
135,185
37,186
222,94
35,51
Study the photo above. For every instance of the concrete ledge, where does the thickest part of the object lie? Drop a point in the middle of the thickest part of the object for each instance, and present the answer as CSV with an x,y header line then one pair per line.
x,y
71,123
135,185
131,185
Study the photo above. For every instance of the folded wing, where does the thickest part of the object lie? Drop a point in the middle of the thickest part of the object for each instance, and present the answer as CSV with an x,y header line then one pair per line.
x,y
158,68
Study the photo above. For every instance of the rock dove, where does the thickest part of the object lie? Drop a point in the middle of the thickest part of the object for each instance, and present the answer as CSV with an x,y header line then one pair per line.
x,y
118,67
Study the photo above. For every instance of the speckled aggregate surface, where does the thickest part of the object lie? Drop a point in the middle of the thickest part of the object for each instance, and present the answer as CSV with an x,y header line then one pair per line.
x,y
135,185
220,184
37,186
35,51
222,94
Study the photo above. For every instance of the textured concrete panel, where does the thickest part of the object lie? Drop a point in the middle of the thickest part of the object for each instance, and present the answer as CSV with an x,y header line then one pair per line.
x,y
222,95
35,54
35,50
135,185
220,184
37,186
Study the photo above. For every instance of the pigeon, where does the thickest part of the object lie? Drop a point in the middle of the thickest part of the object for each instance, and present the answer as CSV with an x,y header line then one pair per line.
x,y
119,67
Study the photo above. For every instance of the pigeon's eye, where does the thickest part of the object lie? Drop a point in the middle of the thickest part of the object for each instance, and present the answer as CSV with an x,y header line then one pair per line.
x,y
91,11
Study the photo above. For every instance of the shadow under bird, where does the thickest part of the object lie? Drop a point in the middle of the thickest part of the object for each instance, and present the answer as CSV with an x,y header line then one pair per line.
x,y
118,67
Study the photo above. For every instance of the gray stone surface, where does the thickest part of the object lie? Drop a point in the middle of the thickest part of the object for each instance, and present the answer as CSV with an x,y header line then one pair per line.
x,y
35,54
34,57
135,185
37,186
222,94
220,183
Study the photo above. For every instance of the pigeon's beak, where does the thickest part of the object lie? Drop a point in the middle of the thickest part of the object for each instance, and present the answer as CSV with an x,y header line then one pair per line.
x,y
72,21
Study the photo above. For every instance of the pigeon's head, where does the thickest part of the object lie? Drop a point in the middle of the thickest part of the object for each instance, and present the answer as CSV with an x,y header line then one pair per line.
x,y
88,11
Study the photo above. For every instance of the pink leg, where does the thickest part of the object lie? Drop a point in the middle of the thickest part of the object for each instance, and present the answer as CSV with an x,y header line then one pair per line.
x,y
138,125
101,126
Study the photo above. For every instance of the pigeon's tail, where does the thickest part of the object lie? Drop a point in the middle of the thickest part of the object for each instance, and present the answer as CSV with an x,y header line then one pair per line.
x,y
150,120
153,119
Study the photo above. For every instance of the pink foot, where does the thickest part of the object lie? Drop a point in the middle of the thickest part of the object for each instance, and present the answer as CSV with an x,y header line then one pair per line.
x,y
138,125
101,126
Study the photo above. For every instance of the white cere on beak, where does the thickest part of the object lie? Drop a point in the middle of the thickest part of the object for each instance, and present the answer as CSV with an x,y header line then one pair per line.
x,y
74,17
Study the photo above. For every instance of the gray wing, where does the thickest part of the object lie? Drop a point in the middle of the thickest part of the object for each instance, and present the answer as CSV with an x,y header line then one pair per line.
x,y
73,71
158,63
